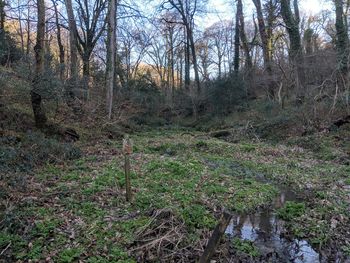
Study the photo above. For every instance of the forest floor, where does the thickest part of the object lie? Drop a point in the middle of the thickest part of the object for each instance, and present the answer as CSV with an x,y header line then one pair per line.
x,y
181,182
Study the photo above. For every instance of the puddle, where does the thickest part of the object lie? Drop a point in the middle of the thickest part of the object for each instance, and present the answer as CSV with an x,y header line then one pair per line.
x,y
266,231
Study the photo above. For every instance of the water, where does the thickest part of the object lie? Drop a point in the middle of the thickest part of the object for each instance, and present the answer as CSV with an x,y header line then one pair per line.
x,y
266,231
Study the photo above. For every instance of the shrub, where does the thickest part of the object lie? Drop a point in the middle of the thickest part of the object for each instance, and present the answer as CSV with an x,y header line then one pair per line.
x,y
33,148
227,93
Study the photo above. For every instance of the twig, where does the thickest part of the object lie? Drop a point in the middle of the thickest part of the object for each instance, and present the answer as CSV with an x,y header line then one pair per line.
x,y
6,248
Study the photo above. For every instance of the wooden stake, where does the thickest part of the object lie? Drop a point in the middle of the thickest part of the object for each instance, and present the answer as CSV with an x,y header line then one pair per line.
x,y
127,178
215,238
127,150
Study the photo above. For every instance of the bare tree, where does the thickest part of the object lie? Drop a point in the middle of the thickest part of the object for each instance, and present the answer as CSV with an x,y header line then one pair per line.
x,y
92,23
187,9
203,50
218,42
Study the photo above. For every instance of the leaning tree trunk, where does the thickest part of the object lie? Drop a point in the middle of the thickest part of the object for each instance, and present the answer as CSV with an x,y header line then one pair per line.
x,y
39,113
111,55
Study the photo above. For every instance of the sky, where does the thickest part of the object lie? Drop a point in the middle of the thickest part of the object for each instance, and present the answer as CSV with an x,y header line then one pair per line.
x,y
314,6
222,9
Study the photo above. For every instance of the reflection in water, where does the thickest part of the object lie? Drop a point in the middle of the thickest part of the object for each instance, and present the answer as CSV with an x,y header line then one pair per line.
x,y
264,229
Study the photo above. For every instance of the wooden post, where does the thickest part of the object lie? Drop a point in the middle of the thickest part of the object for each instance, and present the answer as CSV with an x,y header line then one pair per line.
x,y
215,238
127,150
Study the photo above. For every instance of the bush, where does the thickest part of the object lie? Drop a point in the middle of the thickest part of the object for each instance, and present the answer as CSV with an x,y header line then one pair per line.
x,y
226,94
22,154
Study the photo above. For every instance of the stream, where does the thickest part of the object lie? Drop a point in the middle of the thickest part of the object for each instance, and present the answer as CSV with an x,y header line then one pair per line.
x,y
266,230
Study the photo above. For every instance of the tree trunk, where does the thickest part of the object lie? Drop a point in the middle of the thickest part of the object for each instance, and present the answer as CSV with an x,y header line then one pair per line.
x,y
2,15
60,44
73,43
295,51
342,40
111,55
19,24
219,66
237,43
187,62
28,33
39,113
263,35
119,72
245,44
194,56
266,42
73,69
86,74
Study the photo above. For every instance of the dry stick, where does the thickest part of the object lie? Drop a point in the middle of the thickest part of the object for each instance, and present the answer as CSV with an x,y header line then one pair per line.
x,y
215,238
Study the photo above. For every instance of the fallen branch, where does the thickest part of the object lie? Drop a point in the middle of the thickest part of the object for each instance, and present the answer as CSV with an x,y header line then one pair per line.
x,y
215,238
